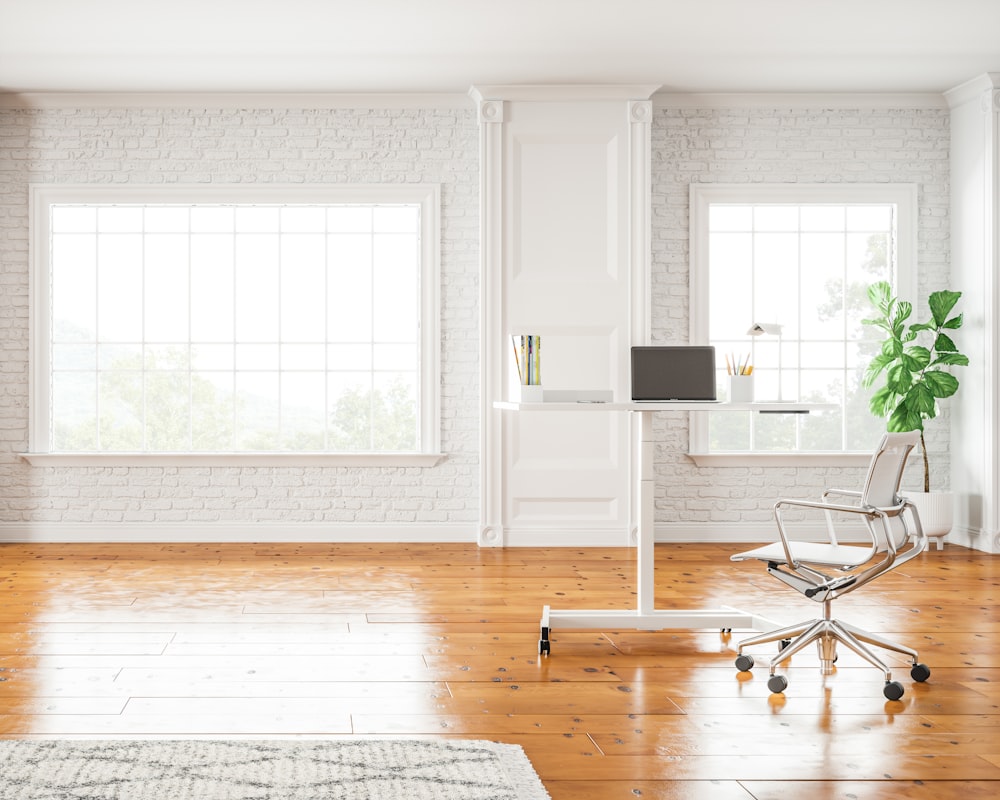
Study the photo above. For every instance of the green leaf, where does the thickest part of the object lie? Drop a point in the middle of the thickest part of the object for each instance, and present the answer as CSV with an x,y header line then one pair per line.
x,y
899,378
903,419
875,368
903,311
916,358
880,295
883,402
944,344
941,303
892,349
954,322
920,400
941,384
952,359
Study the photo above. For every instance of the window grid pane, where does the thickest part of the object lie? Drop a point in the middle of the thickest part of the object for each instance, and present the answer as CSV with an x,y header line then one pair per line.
x,y
235,328
805,267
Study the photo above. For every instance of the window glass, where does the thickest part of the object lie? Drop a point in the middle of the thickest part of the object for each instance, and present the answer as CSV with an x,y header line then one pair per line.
x,y
176,327
803,266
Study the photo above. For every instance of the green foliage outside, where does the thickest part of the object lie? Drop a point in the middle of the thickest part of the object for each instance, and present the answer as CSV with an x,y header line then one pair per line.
x,y
182,411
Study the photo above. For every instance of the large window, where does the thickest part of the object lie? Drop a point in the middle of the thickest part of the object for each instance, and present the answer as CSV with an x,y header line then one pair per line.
x,y
235,320
797,260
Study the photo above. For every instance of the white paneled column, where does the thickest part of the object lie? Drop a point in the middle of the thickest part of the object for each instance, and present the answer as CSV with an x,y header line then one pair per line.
x,y
565,215
491,115
975,262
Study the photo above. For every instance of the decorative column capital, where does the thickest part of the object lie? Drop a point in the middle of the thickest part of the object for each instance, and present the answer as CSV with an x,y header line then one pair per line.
x,y
490,111
989,101
640,111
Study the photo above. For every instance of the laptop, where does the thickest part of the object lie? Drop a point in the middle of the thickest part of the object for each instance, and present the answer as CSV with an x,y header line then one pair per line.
x,y
666,374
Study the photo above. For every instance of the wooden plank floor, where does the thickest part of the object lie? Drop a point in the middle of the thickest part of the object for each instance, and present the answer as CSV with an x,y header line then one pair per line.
x,y
441,640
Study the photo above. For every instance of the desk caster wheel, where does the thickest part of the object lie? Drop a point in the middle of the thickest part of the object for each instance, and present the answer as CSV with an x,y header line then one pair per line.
x,y
744,663
920,672
777,684
544,647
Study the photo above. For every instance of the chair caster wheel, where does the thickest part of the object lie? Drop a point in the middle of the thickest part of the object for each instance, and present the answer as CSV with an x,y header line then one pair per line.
x,y
893,690
777,683
544,647
920,672
744,663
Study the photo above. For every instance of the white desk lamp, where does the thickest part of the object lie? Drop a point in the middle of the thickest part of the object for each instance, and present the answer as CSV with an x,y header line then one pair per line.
x,y
759,328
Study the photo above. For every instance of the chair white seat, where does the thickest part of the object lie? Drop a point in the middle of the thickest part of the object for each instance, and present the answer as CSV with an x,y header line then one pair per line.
x,y
827,555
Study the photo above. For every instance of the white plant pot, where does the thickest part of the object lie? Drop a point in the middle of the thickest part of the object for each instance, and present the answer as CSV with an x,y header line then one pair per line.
x,y
936,511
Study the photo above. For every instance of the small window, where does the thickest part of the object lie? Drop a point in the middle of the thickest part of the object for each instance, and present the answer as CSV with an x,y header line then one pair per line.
x,y
797,260
213,320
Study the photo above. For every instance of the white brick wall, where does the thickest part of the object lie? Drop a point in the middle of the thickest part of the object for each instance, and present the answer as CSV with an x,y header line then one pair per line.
x,y
780,145
157,145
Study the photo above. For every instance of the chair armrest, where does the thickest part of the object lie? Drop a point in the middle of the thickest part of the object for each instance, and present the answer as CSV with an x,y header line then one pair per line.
x,y
842,492
869,512
866,510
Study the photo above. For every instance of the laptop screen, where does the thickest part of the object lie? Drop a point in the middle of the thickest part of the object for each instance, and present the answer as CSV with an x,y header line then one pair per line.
x,y
666,373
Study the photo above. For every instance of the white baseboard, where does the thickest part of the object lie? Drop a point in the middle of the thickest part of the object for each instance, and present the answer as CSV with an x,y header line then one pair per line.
x,y
728,533
746,533
565,537
974,539
69,532
735,533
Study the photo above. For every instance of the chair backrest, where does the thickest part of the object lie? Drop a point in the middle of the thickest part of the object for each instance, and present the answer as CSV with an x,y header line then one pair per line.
x,y
885,473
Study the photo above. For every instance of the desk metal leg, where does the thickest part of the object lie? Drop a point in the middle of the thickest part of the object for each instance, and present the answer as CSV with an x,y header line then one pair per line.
x,y
646,617
645,554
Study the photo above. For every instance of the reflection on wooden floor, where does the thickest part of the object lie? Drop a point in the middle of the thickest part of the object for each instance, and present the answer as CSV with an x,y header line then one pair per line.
x,y
441,640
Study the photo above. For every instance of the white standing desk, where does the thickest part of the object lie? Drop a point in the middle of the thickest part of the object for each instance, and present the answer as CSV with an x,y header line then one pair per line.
x,y
646,616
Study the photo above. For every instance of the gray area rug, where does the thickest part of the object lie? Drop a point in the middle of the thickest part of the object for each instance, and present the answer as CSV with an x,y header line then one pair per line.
x,y
265,770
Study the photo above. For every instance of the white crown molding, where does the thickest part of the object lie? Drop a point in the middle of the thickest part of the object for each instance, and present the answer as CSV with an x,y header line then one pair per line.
x,y
536,93
797,100
972,89
563,93
229,100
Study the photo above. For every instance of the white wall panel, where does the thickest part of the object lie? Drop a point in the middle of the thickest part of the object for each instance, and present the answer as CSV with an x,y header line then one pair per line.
x,y
566,274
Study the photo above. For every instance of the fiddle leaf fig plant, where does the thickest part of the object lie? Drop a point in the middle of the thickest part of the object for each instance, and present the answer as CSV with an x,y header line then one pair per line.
x,y
914,361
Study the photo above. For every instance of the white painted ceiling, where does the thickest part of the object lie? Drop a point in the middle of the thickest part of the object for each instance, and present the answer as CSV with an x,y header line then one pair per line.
x,y
450,45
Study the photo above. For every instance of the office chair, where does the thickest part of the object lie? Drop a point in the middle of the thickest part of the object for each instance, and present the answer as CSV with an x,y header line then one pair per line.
x,y
825,571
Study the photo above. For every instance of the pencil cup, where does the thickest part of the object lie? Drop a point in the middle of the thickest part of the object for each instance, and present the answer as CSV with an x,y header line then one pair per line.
x,y
529,394
741,388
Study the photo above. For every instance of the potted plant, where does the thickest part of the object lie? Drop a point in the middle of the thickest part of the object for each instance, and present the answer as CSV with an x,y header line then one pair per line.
x,y
914,360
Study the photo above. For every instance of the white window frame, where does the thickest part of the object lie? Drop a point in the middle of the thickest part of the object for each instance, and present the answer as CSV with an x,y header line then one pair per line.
x,y
702,196
43,196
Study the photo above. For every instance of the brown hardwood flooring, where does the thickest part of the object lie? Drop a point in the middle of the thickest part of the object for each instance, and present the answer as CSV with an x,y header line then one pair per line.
x,y
391,640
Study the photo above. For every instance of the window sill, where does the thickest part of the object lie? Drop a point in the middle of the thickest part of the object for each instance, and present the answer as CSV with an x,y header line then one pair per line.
x,y
233,459
749,459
